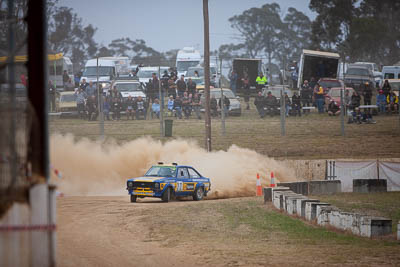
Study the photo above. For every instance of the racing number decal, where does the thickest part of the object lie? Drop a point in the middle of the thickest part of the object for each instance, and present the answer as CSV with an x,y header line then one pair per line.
x,y
179,186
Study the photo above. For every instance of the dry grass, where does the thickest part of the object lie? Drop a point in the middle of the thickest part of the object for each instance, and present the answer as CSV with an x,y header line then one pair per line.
x,y
309,137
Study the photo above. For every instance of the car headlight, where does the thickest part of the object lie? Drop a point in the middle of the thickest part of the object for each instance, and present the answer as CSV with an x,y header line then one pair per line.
x,y
157,185
130,184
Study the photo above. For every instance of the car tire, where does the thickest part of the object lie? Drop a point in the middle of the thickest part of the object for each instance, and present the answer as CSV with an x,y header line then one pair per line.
x,y
198,193
166,196
133,198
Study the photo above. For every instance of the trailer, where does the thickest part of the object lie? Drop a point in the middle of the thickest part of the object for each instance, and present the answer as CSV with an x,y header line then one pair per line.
x,y
251,67
317,64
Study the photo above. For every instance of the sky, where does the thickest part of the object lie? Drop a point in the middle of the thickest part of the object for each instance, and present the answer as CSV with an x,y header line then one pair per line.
x,y
166,25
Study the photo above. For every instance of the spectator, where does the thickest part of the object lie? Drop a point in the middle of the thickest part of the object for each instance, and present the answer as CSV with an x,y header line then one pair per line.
x,y
69,85
367,94
164,80
196,73
196,104
65,78
347,100
91,105
271,104
287,103
172,87
386,88
213,106
181,86
313,83
155,108
260,104
333,109
106,107
191,86
141,107
91,89
80,102
83,85
306,95
52,96
155,87
116,108
233,80
319,98
393,102
170,104
355,100
130,108
114,93
227,103
246,91
186,105
178,106
360,117
381,101
261,82
296,104
76,80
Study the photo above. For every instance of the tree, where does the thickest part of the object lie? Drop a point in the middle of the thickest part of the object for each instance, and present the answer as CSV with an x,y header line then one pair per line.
x,y
67,34
332,25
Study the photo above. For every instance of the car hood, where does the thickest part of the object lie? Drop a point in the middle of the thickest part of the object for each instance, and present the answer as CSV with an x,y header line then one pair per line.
x,y
149,179
67,104
357,77
133,94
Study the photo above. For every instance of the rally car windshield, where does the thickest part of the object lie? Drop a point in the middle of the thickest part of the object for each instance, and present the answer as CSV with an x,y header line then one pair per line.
x,y
161,171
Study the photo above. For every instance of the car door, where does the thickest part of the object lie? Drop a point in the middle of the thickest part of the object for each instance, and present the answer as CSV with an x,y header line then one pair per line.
x,y
182,178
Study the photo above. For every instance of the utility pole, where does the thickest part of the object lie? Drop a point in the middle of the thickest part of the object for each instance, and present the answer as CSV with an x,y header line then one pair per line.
x,y
207,75
161,103
222,104
342,107
99,102
283,114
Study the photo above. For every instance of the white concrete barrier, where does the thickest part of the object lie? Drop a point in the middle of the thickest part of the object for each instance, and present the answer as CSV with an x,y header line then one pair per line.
x,y
301,206
311,209
292,204
325,214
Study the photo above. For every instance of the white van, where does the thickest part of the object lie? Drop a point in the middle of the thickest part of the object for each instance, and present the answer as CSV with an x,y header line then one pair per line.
x,y
107,70
145,74
391,72
186,58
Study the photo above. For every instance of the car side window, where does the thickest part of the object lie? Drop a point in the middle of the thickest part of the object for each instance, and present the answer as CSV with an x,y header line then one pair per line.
x,y
182,173
193,174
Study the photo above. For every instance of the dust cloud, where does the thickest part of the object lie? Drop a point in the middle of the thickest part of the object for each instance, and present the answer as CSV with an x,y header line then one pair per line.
x,y
95,168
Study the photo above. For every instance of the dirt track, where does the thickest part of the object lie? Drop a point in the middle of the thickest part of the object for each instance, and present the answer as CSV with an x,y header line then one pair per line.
x,y
110,231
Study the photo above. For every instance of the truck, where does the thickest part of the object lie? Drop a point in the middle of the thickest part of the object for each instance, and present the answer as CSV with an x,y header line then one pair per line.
x,y
251,67
106,71
122,65
317,64
186,58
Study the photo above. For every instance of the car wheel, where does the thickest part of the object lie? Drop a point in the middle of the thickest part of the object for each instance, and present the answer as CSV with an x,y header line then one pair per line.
x,y
133,198
166,196
198,194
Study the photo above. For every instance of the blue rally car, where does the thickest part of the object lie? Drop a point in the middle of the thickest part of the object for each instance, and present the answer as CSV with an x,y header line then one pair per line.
x,y
167,181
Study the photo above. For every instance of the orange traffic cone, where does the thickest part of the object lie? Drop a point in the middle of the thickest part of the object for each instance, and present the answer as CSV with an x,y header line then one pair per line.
x,y
272,179
258,184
